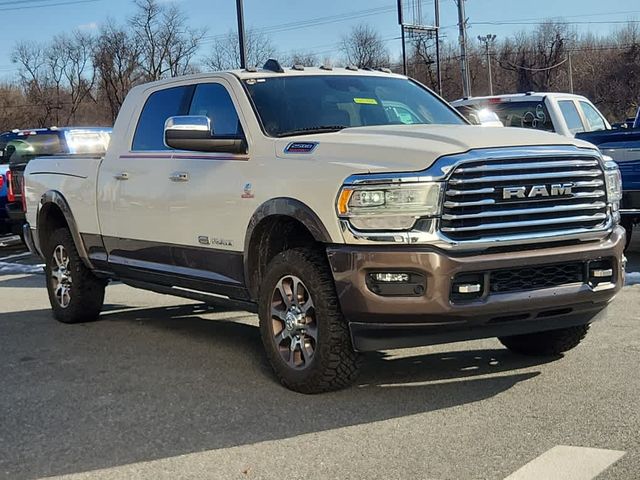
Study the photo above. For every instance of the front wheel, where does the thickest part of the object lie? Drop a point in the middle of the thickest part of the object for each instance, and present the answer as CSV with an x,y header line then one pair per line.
x,y
303,331
552,342
75,293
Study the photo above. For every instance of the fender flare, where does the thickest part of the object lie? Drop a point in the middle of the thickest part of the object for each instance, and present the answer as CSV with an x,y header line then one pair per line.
x,y
56,198
286,207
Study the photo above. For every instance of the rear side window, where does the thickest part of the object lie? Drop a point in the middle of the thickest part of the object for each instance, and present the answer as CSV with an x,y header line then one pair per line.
x,y
516,114
159,107
571,116
212,100
594,120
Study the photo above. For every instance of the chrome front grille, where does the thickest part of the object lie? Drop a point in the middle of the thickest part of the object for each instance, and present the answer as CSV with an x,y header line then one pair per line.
x,y
509,197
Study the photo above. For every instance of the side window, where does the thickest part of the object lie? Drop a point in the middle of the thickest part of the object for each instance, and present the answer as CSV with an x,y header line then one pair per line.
x,y
594,119
212,100
159,107
571,116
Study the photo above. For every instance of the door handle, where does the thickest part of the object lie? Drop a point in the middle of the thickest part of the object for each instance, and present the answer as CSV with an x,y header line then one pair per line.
x,y
122,176
179,177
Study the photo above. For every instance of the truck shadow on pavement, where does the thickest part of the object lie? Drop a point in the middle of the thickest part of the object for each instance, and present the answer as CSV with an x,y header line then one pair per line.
x,y
153,383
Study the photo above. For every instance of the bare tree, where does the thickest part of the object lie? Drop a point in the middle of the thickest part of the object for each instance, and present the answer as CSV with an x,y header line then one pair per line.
x,y
225,53
167,45
116,58
299,58
364,48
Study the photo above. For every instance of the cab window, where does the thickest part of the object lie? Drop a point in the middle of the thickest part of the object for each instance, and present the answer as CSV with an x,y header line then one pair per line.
x,y
571,116
159,107
212,100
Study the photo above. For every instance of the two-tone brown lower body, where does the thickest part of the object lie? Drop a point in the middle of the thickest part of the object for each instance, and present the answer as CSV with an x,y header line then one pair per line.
x,y
521,291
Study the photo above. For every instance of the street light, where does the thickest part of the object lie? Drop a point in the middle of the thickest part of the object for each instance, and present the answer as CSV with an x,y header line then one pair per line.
x,y
241,38
488,41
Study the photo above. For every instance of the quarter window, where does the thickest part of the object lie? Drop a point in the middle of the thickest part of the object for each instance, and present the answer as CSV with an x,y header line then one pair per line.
x,y
594,119
159,107
571,116
212,100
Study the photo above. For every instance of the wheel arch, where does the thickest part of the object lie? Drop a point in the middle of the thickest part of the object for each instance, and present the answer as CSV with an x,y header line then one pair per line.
x,y
286,215
54,212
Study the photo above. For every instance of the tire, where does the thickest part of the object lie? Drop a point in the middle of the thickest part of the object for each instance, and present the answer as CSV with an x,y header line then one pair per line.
x,y
65,272
312,353
627,223
550,343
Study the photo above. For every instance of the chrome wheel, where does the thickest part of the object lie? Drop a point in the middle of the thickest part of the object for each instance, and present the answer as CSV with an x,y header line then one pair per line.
x,y
61,276
293,322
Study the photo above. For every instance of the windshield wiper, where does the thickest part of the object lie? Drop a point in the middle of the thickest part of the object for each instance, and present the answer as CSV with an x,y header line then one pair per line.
x,y
318,129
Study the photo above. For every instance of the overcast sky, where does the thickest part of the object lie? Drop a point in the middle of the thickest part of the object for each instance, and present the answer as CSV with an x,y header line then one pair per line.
x,y
306,25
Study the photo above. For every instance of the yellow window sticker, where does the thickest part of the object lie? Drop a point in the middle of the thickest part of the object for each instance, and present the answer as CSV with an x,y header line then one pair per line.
x,y
366,101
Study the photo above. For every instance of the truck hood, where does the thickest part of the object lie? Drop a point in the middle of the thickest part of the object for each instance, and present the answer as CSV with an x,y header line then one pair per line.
x,y
412,147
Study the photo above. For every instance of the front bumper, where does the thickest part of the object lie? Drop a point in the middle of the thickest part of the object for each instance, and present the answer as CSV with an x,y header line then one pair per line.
x,y
379,322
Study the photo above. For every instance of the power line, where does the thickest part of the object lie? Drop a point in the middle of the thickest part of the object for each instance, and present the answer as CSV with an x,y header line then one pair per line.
x,y
47,5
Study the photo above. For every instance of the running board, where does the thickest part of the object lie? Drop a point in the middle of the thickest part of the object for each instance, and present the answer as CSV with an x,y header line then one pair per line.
x,y
206,297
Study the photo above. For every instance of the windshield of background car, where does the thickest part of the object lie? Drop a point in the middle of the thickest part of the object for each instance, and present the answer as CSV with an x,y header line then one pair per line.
x,y
24,148
291,105
521,114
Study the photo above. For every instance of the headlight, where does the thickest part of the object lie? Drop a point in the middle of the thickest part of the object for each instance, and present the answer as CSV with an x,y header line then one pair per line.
x,y
614,181
389,207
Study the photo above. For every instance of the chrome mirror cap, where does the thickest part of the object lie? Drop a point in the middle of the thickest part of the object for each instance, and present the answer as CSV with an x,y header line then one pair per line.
x,y
198,123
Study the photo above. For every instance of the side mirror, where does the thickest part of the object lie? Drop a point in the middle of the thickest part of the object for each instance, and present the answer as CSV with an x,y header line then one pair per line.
x,y
194,133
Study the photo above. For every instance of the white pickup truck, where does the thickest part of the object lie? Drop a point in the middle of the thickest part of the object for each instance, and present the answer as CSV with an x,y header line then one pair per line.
x,y
353,210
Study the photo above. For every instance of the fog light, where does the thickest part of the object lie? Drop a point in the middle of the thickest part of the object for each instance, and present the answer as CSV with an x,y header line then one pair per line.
x,y
602,273
391,277
468,288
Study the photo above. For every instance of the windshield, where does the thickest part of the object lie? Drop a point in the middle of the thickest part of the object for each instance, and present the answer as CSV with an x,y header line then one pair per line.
x,y
304,104
516,114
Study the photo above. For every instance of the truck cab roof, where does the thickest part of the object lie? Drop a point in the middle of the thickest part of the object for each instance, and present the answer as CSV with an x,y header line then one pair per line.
x,y
518,97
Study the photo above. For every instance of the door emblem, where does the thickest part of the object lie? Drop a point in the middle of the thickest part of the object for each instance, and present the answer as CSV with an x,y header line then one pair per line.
x,y
248,191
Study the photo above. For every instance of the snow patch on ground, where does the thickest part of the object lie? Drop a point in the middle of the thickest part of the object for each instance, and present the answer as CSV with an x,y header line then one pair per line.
x,y
632,278
15,268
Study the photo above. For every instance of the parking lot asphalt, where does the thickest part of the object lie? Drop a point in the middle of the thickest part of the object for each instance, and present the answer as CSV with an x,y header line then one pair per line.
x,y
167,388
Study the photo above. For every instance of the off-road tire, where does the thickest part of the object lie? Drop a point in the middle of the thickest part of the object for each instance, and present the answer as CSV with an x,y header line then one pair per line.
x,y
86,292
552,342
335,364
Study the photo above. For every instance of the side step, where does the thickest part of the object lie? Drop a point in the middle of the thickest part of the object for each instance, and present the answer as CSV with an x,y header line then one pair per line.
x,y
205,297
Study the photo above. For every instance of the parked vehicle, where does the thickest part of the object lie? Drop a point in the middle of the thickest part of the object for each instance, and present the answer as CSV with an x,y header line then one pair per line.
x,y
18,147
298,194
574,116
5,227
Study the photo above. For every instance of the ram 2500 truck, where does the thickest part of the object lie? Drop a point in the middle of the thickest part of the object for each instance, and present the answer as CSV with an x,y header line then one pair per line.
x,y
353,210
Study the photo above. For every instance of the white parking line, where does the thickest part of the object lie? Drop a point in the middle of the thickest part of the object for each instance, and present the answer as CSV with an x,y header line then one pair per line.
x,y
568,463
16,256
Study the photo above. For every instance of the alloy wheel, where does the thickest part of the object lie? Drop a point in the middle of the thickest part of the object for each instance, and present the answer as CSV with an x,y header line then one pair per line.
x,y
61,276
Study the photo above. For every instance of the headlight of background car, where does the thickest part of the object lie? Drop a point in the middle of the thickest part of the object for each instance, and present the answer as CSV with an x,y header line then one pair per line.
x,y
389,207
614,181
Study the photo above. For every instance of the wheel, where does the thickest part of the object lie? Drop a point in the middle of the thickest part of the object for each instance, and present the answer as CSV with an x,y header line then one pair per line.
x,y
304,333
627,223
75,294
552,342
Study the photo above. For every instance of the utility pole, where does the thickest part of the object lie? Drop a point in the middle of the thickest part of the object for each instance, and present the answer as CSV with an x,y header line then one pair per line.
x,y
464,65
404,44
488,41
241,37
438,71
570,73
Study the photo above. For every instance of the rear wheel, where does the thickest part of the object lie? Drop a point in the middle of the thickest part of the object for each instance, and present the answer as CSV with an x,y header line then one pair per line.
x,y
75,294
552,342
303,331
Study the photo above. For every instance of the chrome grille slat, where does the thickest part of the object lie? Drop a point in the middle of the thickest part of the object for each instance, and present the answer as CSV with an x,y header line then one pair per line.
x,y
531,223
529,166
475,209
528,211
528,176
